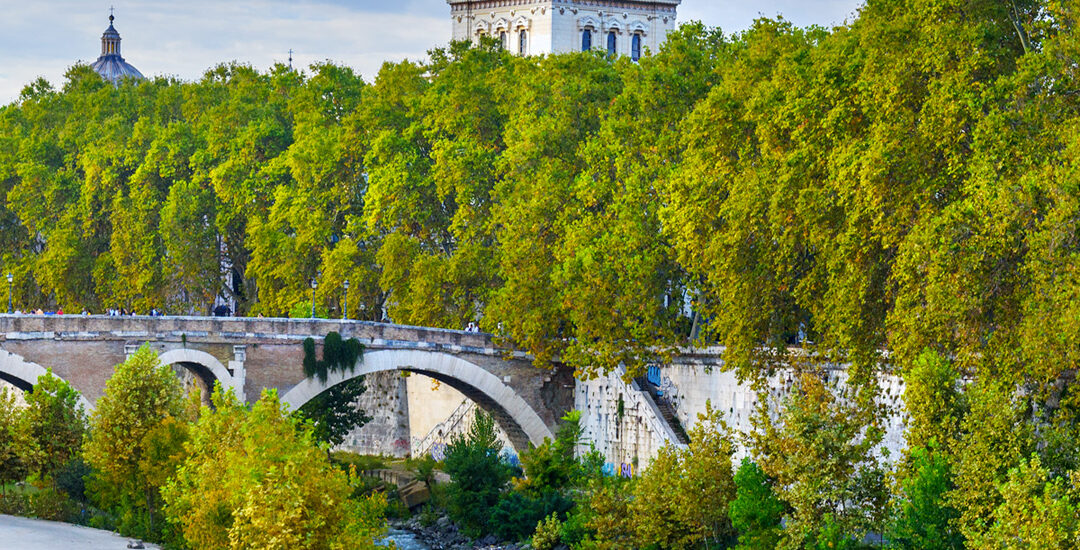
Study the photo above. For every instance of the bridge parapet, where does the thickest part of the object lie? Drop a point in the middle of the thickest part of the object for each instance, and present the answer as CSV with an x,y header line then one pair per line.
x,y
35,327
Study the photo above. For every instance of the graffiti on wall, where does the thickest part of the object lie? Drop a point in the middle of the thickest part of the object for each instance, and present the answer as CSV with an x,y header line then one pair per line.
x,y
666,392
438,451
624,470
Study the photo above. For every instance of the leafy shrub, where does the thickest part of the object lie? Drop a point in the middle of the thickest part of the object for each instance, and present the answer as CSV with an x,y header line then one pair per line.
x,y
52,505
516,515
547,533
362,463
14,503
71,478
424,469
756,511
428,515
576,527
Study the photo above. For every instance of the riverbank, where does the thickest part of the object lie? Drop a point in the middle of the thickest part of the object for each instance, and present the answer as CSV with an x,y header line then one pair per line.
x,y
444,535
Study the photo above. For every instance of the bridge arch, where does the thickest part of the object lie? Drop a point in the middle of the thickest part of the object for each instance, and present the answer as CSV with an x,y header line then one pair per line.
x,y
514,415
203,361
24,375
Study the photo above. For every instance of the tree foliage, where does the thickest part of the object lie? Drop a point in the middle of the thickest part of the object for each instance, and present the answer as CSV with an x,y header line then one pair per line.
x,y
14,443
334,413
756,512
924,518
134,440
56,422
820,452
478,476
255,479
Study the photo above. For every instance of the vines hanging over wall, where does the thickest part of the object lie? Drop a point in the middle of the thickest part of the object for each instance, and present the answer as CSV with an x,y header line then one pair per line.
x,y
338,355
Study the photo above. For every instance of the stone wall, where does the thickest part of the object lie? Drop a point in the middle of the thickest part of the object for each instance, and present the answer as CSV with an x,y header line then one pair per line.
x,y
386,401
628,436
634,437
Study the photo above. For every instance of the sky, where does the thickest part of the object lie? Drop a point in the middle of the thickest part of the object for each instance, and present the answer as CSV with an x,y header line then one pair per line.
x,y
184,38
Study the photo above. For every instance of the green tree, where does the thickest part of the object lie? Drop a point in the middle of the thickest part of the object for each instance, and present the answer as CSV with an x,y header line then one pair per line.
x,y
553,466
924,518
478,476
56,421
1036,511
934,403
994,439
822,459
756,512
334,413
706,485
15,444
655,496
126,441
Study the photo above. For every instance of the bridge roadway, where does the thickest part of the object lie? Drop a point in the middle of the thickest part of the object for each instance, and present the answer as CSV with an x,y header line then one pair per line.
x,y
249,355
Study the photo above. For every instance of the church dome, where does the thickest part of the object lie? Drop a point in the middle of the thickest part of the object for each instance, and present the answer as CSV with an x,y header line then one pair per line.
x,y
110,65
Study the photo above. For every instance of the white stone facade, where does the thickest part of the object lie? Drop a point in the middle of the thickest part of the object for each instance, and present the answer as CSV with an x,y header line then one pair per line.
x,y
633,437
537,27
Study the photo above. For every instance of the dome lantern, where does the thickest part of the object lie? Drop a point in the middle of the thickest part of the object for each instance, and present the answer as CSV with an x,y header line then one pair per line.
x,y
111,66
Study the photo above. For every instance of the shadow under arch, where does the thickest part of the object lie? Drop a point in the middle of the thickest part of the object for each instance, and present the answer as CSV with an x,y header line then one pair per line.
x,y
514,415
23,375
205,366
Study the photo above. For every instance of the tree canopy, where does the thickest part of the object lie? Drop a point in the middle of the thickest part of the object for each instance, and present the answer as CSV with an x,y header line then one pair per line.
x,y
903,181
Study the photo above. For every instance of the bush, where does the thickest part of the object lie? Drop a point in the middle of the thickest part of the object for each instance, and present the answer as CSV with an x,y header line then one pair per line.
x,y
71,478
428,515
516,515
14,503
424,470
362,463
547,533
756,511
52,505
576,527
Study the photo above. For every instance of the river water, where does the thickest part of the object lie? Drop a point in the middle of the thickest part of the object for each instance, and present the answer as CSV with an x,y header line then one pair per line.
x,y
404,540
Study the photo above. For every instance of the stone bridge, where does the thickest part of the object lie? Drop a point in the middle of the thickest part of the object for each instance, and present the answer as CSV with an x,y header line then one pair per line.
x,y
248,355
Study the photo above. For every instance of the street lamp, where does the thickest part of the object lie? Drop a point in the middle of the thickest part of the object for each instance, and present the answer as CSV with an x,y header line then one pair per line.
x,y
345,310
313,285
10,278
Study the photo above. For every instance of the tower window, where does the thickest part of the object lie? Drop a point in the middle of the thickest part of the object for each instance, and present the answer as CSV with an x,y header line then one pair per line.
x,y
586,40
522,42
611,42
502,39
635,47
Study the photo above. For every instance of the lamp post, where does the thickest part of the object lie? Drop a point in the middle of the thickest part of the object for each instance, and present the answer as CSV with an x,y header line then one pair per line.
x,y
10,279
345,310
314,284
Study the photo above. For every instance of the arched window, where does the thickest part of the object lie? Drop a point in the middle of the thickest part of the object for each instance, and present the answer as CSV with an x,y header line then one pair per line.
x,y
611,42
522,42
586,40
635,47
502,39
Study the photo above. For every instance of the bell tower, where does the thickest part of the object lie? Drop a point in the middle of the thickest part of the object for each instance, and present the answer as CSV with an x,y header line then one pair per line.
x,y
534,27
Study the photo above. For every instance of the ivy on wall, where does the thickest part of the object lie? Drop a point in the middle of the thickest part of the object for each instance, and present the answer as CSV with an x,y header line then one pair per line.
x,y
338,355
